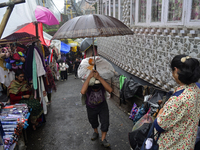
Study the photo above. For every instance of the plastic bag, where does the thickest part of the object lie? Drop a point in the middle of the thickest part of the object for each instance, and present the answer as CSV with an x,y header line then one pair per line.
x,y
105,69
137,137
145,119
132,88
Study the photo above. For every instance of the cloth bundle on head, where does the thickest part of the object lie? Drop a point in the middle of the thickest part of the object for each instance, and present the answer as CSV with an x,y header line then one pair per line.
x,y
105,69
94,81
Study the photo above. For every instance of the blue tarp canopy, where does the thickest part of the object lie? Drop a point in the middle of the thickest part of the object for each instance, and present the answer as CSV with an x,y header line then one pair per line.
x,y
64,48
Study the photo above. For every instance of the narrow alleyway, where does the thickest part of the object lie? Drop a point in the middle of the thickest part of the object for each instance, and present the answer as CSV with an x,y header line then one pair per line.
x,y
67,127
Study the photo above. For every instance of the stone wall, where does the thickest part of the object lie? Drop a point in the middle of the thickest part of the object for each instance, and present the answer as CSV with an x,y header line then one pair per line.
x,y
148,56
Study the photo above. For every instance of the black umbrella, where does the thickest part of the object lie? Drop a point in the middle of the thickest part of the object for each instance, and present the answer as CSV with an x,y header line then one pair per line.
x,y
92,26
86,43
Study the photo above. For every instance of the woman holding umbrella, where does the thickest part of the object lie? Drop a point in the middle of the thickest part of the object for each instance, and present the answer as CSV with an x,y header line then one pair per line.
x,y
95,88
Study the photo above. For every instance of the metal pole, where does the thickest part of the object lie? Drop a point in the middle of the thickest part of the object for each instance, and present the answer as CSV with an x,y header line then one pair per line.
x,y
95,67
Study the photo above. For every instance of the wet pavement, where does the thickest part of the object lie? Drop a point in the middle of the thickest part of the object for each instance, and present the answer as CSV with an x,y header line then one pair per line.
x,y
67,127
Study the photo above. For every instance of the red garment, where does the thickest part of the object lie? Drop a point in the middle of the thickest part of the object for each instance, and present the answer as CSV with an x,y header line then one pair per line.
x,y
16,98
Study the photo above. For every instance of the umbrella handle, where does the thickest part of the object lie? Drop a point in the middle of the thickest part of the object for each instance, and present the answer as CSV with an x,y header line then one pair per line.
x,y
95,67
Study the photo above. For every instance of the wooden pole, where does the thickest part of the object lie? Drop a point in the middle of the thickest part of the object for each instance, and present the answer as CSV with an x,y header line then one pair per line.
x,y
8,13
95,67
5,19
11,3
36,30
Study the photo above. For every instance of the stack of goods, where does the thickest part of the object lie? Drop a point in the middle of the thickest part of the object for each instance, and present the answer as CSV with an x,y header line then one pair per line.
x,y
14,60
13,119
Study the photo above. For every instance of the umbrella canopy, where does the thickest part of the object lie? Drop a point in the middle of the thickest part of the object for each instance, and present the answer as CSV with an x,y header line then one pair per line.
x,y
64,48
45,16
92,26
86,43
79,40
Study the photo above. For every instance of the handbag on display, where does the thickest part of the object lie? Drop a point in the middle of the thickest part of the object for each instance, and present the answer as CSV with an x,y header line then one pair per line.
x,y
150,143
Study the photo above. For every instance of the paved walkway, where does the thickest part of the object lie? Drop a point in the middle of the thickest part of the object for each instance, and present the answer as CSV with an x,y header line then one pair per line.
x,y
67,127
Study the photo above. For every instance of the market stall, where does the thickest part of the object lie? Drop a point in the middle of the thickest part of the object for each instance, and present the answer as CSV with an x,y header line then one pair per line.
x,y
13,121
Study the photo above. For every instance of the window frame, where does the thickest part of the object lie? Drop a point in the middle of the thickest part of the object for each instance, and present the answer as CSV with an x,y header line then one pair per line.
x,y
186,14
109,8
137,14
162,14
188,21
119,10
104,12
131,12
119,5
173,23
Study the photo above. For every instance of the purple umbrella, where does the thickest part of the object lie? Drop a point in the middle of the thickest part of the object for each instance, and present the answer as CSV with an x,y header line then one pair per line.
x,y
45,16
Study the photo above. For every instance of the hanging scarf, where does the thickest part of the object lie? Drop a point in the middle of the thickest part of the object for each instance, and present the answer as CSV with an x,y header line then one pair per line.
x,y
15,87
34,72
50,79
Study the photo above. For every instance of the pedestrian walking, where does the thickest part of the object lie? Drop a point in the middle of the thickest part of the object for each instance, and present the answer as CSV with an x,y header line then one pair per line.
x,y
94,88
63,68
178,120
75,67
67,67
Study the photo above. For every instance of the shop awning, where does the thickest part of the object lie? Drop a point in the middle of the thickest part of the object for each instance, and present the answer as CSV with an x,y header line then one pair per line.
x,y
21,15
30,28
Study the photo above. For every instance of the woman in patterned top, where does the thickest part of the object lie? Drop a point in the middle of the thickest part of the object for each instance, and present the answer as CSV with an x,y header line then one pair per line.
x,y
178,120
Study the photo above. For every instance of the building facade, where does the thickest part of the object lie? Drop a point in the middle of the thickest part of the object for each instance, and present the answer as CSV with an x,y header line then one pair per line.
x,y
162,29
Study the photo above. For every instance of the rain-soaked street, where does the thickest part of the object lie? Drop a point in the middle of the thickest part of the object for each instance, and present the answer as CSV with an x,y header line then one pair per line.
x,y
67,127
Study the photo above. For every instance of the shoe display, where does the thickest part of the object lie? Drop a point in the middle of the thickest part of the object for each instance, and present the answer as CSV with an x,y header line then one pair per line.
x,y
94,136
105,143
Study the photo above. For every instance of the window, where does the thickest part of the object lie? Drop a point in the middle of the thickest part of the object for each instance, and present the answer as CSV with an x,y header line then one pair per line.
x,y
107,13
175,10
195,12
142,10
132,12
121,10
156,10
111,8
104,8
116,9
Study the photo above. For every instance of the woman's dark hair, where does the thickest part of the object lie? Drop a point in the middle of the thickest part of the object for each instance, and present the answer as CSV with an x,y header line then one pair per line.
x,y
18,72
189,69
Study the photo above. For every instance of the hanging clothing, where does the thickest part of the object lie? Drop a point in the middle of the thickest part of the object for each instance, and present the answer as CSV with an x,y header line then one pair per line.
x,y
44,99
29,63
41,57
121,81
6,76
50,79
39,64
34,71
